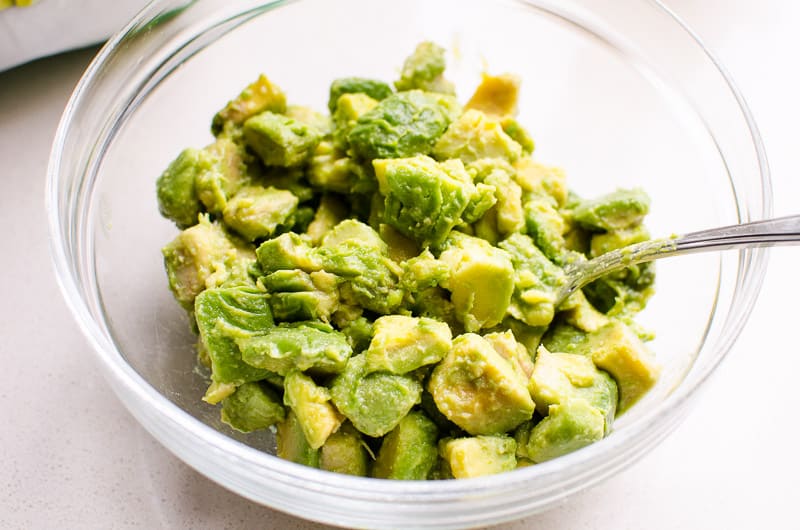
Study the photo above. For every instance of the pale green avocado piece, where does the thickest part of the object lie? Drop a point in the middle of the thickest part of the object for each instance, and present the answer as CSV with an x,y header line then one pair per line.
x,y
330,169
292,443
539,179
401,344
400,248
279,140
359,332
608,241
288,251
480,203
566,338
297,346
478,390
424,69
578,312
619,351
345,452
512,351
175,188
330,212
558,377
507,216
424,200
620,209
201,257
569,426
479,456
374,402
409,451
312,404
546,226
403,125
225,315
423,271
356,231
349,108
496,95
224,177
252,407
259,96
519,134
473,136
287,281
536,281
309,116
481,281
375,89
307,305
256,212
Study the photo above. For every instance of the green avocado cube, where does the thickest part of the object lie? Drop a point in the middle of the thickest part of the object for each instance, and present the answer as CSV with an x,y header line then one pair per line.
x,y
402,344
375,89
307,305
374,402
424,69
481,281
330,212
252,407
287,281
403,125
508,214
539,179
292,443
297,346
546,226
618,210
256,212
259,96
312,404
473,136
345,452
478,390
175,188
423,271
279,140
608,241
478,456
309,116
225,315
227,173
330,169
519,134
349,108
424,200
512,351
357,232
288,251
568,426
409,451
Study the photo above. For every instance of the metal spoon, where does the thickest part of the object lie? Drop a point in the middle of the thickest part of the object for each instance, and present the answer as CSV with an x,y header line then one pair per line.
x,y
767,233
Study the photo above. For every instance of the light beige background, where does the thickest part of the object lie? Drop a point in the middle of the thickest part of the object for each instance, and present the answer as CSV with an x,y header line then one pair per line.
x,y
72,457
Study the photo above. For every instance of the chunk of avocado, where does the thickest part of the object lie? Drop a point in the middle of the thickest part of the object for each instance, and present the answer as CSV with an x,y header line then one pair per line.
x,y
401,344
227,173
473,136
330,212
374,402
259,96
256,212
569,426
478,456
345,452
175,188
478,390
279,140
519,134
424,69
617,210
512,351
409,451
288,251
311,403
356,231
540,179
349,108
292,443
496,95
251,407
373,88
330,169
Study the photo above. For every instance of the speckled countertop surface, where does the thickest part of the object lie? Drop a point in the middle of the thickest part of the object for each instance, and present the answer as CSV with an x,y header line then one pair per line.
x,y
74,458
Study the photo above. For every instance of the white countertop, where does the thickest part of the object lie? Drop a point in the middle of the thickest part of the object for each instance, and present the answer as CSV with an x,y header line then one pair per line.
x,y
74,458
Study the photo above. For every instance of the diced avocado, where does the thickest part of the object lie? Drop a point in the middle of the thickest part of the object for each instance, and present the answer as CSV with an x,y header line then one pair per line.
x,y
297,346
623,293
344,452
225,315
539,179
473,136
617,350
434,302
287,251
374,402
306,305
279,140
478,456
200,257
565,338
424,69
292,443
355,231
287,281
536,281
227,173
359,332
311,403
409,451
478,390
309,116
496,95
332,170
403,125
259,96
512,351
175,188
481,281
507,214
578,312
401,344
375,89
424,200
620,209
217,391
349,108
400,248
330,212
253,406
608,241
256,212
519,134
569,426
424,271
546,226
527,335
481,202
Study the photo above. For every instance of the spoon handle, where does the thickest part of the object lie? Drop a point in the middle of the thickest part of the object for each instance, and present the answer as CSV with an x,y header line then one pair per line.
x,y
767,233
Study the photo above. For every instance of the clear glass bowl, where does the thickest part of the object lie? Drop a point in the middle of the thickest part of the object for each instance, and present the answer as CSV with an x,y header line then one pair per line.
x,y
619,93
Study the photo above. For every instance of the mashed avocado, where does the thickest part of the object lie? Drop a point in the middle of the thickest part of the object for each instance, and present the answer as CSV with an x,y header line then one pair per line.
x,y
376,282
